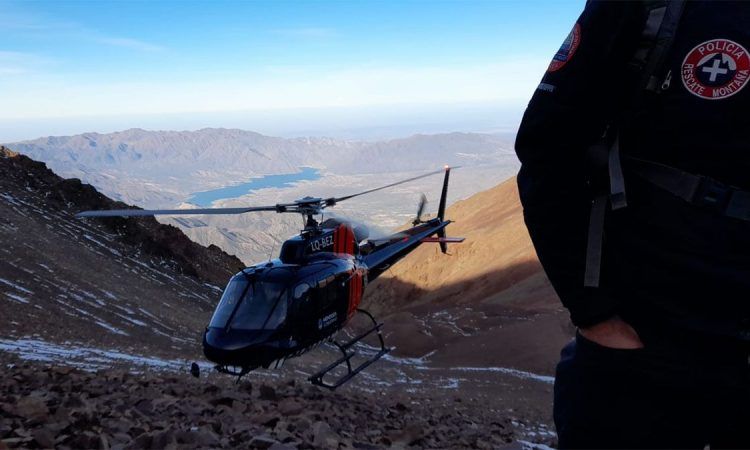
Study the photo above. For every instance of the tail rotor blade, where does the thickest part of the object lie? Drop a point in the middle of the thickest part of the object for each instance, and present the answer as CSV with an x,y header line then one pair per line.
x,y
420,210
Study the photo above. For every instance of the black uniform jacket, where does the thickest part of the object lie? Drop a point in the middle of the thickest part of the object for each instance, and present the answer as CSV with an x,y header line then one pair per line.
x,y
665,260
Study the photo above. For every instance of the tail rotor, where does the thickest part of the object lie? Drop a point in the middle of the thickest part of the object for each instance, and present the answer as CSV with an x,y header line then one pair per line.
x,y
420,210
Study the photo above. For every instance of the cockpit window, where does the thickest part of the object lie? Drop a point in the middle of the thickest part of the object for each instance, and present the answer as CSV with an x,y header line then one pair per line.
x,y
264,307
232,295
250,303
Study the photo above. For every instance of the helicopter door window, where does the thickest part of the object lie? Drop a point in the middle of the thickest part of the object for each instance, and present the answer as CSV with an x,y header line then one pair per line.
x,y
234,292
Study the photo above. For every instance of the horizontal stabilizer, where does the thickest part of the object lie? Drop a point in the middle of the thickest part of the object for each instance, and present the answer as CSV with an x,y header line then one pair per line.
x,y
447,240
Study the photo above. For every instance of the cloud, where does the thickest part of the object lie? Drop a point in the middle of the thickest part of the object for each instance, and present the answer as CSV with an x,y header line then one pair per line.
x,y
18,63
44,27
33,24
512,81
133,44
306,32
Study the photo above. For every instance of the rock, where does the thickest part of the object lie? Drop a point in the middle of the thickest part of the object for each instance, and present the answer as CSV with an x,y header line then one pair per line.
x,y
267,420
32,408
284,436
225,401
185,437
290,407
263,442
323,436
145,406
206,438
12,442
120,438
142,441
280,446
301,425
103,442
44,438
164,439
410,435
266,392
88,441
75,402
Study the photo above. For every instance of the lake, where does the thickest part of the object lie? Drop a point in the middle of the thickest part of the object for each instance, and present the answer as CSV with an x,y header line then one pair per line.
x,y
205,198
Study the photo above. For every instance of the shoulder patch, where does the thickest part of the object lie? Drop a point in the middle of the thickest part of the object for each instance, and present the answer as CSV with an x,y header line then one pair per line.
x,y
716,69
567,49
546,87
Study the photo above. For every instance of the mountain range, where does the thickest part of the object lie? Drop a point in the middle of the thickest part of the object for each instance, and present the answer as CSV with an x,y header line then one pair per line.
x,y
163,169
170,165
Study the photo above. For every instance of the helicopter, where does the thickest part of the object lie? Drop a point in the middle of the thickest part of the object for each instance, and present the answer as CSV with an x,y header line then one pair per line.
x,y
280,309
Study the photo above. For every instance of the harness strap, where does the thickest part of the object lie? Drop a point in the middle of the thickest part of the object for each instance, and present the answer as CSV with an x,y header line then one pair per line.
x,y
699,190
665,36
595,241
656,40
616,178
601,155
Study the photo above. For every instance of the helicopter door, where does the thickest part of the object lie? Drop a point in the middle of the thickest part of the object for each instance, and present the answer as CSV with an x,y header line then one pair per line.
x,y
328,298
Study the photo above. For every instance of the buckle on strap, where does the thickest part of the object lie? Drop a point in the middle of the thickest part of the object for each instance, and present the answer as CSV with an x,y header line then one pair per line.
x,y
713,194
727,200
739,205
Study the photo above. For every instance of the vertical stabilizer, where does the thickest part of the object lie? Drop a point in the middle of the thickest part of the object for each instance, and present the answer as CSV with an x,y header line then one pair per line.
x,y
441,209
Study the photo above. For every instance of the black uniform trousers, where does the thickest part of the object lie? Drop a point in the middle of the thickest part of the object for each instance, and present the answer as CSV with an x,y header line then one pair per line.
x,y
682,390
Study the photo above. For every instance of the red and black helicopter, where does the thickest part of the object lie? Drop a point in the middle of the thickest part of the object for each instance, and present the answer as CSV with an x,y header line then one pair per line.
x,y
276,310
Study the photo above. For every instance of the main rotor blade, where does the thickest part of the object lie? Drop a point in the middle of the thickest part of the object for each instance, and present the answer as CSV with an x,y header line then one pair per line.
x,y
340,199
171,212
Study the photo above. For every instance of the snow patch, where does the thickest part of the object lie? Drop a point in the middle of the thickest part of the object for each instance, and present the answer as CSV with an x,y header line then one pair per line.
x,y
508,371
17,298
15,286
89,358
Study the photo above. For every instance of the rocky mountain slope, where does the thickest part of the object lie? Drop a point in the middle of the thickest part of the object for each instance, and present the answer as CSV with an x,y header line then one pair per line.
x,y
130,282
489,294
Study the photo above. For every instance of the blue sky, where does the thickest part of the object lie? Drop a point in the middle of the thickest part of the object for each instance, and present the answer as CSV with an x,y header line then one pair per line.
x,y
100,66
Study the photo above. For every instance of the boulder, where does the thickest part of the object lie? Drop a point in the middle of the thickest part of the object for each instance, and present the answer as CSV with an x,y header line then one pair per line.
x,y
33,408
290,407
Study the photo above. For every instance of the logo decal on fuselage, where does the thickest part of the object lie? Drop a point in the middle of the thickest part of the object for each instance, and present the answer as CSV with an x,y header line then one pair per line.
x,y
321,243
567,49
716,69
327,321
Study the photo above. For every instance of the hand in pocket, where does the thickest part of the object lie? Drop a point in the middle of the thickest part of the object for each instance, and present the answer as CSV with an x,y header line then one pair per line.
x,y
613,333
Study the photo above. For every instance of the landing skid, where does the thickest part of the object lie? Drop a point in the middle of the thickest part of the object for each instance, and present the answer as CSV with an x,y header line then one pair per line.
x,y
348,354
236,371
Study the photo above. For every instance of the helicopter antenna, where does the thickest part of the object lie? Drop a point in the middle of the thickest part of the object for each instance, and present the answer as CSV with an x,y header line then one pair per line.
x,y
273,247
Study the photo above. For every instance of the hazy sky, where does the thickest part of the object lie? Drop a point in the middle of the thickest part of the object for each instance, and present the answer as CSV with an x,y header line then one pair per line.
x,y
305,67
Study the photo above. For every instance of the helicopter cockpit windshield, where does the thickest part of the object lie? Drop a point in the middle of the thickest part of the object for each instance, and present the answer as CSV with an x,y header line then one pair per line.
x,y
249,303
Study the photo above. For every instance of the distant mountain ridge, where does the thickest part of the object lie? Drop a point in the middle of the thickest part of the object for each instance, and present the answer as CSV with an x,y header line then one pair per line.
x,y
183,162
162,169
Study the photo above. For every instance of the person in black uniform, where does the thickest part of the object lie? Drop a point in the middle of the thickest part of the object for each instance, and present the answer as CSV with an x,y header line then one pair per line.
x,y
659,289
